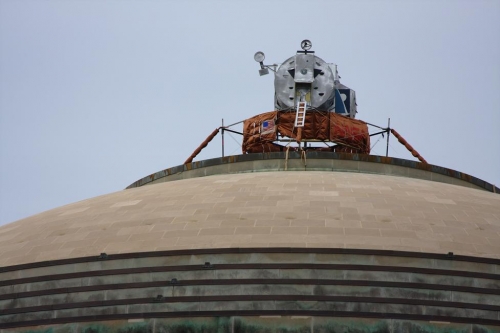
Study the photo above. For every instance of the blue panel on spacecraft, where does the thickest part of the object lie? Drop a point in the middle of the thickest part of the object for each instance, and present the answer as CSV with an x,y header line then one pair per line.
x,y
339,104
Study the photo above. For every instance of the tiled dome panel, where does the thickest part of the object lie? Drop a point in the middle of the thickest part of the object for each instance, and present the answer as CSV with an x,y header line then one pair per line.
x,y
266,209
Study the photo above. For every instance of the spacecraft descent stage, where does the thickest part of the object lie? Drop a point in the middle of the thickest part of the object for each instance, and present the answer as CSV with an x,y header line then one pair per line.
x,y
303,232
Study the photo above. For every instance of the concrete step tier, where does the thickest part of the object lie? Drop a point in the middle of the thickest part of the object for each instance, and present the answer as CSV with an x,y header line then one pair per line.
x,y
253,289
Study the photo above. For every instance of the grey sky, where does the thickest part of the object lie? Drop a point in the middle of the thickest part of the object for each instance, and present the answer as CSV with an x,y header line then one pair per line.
x,y
97,94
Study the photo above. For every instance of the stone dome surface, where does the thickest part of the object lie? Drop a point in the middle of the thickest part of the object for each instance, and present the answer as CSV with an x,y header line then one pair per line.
x,y
314,209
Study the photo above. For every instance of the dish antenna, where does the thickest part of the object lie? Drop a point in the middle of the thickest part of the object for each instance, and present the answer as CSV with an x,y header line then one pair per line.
x,y
264,69
306,45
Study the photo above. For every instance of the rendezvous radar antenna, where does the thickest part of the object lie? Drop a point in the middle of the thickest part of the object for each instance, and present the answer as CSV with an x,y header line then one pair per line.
x,y
313,111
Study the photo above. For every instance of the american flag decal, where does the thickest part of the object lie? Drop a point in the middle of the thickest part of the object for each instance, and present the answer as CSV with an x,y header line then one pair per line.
x,y
268,126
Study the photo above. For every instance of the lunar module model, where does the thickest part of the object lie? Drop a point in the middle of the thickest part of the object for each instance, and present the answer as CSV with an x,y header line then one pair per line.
x,y
313,111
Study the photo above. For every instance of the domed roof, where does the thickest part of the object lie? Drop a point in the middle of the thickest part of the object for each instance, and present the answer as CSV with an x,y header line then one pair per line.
x,y
265,209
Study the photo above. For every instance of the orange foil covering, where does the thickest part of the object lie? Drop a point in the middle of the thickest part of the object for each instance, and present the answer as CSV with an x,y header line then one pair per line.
x,y
260,132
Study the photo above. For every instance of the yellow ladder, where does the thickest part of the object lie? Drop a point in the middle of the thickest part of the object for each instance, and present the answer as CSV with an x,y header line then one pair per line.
x,y
300,116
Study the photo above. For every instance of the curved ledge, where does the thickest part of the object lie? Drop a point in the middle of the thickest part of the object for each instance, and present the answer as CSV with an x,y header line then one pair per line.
x,y
248,313
231,282
285,250
316,161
